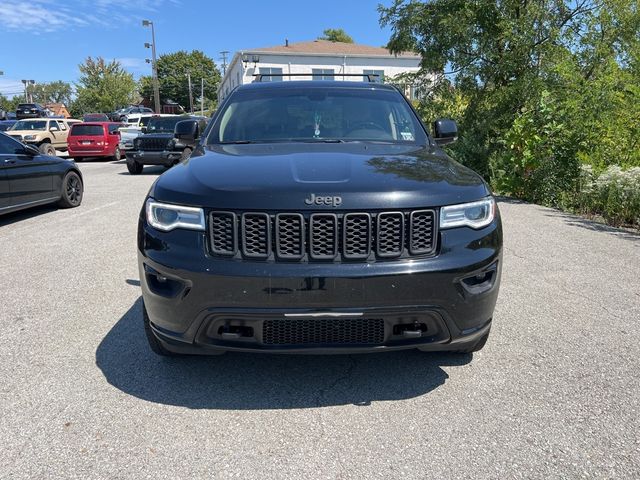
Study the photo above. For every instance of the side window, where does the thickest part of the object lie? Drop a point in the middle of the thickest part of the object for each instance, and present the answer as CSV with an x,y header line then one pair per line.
x,y
52,124
9,146
62,125
271,70
323,73
113,128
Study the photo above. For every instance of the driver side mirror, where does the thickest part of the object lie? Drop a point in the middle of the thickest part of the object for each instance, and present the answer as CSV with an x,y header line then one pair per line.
x,y
445,131
54,128
31,150
187,130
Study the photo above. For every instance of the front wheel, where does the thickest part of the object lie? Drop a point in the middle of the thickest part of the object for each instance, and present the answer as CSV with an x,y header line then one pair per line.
x,y
134,167
47,149
72,191
186,153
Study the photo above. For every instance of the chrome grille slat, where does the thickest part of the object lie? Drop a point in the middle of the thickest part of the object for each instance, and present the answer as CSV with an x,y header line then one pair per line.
x,y
323,236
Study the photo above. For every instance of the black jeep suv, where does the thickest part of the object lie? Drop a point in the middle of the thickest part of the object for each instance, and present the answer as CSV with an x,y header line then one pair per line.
x,y
319,217
159,146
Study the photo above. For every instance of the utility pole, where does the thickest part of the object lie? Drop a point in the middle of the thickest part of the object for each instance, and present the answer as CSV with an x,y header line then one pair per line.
x,y
224,54
190,94
202,97
156,83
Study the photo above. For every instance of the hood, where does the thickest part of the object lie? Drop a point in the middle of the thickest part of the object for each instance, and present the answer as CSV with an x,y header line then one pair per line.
x,y
282,176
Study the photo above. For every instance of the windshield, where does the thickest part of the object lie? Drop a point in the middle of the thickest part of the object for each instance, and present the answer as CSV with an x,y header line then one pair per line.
x,y
30,125
317,115
163,124
144,121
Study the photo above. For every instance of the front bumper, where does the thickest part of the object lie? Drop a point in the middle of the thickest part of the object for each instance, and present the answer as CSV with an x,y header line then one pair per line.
x,y
198,303
166,157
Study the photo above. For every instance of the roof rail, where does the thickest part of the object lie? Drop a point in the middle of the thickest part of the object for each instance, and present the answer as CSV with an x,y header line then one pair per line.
x,y
260,76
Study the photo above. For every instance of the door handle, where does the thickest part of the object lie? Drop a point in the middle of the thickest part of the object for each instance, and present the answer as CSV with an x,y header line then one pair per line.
x,y
9,160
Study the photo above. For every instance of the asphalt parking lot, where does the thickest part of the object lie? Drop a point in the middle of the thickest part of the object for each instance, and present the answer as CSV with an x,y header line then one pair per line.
x,y
555,394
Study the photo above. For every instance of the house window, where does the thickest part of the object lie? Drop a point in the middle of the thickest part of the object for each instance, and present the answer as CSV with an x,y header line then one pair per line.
x,y
377,79
323,73
271,70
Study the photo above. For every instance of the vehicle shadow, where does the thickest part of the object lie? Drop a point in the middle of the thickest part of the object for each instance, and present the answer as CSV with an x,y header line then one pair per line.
x,y
22,215
150,170
581,222
236,381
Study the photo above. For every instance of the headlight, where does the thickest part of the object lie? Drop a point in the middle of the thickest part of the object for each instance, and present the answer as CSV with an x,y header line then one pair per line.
x,y
167,217
29,137
475,214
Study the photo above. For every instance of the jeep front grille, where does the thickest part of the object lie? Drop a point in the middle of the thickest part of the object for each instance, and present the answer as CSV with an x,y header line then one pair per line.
x,y
323,331
152,144
326,236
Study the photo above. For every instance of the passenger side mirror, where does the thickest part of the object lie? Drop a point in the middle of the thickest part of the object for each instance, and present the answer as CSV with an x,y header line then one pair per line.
x,y
445,131
187,130
54,128
31,150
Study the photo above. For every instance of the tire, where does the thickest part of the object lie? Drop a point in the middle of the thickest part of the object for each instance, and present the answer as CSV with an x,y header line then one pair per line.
x,y
72,191
117,155
186,153
134,167
474,347
154,343
47,149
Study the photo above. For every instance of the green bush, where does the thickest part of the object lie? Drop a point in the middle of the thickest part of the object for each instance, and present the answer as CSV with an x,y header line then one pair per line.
x,y
614,194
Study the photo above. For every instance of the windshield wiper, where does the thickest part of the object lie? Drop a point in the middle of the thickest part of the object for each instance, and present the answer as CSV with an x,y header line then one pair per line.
x,y
236,142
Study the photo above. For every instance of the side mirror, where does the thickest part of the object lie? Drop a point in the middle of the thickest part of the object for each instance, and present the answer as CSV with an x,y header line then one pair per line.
x,y
31,150
445,131
54,128
187,130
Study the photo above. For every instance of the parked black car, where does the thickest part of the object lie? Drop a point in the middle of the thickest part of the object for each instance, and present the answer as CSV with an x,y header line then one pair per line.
x,y
319,217
160,145
30,110
28,178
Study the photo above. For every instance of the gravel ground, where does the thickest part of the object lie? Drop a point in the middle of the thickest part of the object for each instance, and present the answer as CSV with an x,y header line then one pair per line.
x,y
554,394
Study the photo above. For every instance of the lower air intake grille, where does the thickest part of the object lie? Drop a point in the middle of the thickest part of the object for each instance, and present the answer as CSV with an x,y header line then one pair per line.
x,y
326,331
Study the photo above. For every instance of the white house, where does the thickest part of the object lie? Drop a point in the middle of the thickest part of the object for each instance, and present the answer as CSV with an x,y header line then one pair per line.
x,y
323,59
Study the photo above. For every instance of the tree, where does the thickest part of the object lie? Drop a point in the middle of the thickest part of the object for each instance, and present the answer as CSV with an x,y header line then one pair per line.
x,y
173,79
537,86
336,35
103,87
52,92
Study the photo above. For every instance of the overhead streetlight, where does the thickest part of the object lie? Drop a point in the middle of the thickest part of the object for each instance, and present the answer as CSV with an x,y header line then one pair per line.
x,y
154,64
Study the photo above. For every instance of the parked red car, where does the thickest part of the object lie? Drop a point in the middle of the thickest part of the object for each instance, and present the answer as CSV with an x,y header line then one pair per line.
x,y
95,139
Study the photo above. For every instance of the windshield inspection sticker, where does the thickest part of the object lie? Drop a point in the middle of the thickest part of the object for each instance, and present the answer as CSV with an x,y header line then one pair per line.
x,y
407,136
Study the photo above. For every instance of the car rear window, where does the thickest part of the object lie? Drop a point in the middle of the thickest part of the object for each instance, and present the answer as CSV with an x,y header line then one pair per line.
x,y
90,130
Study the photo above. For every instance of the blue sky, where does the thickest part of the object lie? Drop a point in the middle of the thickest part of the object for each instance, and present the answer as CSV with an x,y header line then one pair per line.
x,y
45,40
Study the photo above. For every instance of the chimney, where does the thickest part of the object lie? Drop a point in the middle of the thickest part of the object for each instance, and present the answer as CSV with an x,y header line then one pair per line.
x,y
286,42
